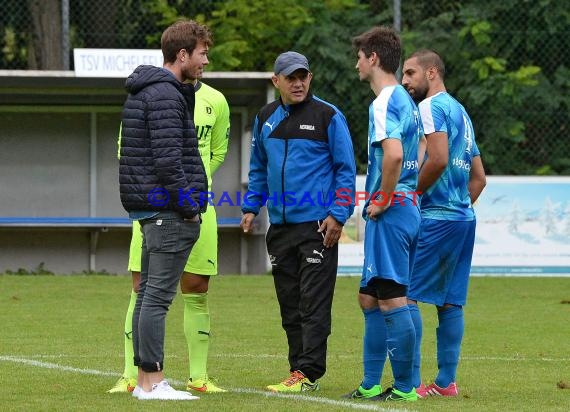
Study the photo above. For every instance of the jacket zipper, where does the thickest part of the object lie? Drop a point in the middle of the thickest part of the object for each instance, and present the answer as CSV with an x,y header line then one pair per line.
x,y
283,178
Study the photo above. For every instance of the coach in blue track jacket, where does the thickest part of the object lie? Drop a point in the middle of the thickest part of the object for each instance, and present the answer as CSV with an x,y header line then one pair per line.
x,y
302,168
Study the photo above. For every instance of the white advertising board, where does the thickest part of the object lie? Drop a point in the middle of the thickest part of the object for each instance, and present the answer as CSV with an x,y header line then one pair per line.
x,y
523,229
523,226
113,62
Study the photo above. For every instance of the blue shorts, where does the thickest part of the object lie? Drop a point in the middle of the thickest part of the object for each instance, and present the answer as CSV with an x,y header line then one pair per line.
x,y
390,244
443,262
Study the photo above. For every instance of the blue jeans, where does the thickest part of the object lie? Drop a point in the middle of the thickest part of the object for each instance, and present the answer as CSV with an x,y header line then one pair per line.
x,y
167,242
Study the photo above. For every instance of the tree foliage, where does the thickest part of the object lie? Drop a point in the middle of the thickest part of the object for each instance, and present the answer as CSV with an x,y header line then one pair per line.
x,y
328,42
250,33
508,62
248,38
14,39
514,89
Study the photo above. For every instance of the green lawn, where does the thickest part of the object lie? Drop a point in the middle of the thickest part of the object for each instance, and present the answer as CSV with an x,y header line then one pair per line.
x,y
61,347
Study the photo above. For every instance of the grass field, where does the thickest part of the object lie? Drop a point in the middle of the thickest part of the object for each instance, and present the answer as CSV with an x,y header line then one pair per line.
x,y
61,347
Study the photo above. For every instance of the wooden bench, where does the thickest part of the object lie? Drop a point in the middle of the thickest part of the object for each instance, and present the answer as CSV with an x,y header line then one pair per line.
x,y
101,223
95,225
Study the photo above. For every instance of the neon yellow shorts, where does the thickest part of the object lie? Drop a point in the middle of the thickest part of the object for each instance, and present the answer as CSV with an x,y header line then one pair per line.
x,y
203,259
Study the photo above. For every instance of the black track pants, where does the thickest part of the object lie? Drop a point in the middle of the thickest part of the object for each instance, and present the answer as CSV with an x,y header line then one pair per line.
x,y
304,273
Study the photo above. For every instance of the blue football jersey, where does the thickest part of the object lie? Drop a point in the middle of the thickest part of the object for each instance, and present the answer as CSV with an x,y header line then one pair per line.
x,y
393,115
448,198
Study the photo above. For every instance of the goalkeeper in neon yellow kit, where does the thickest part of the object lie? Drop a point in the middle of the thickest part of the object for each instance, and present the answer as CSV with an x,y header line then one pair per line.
x,y
212,120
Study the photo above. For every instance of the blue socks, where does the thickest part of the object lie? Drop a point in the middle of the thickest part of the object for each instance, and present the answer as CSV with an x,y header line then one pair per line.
x,y
449,337
418,326
374,347
400,344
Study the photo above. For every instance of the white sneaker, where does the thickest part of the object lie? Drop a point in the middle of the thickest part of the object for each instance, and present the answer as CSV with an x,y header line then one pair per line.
x,y
164,391
137,391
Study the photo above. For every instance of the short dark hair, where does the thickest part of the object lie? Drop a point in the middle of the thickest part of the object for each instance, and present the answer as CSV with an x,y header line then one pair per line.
x,y
428,58
385,42
184,34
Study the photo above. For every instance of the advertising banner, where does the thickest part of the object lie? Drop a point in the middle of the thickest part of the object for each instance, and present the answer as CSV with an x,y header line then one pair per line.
x,y
523,229
113,62
523,226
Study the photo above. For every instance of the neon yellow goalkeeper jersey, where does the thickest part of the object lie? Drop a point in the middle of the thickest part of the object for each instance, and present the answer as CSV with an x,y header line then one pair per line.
x,y
212,120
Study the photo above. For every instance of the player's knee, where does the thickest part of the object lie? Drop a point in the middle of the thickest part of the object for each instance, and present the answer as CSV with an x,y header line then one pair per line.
x,y
367,298
388,289
136,276
191,283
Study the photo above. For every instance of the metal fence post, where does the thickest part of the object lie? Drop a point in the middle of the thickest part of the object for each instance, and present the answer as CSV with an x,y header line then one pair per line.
x,y
398,28
65,33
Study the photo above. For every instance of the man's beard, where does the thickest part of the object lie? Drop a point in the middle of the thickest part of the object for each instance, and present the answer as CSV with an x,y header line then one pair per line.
x,y
420,94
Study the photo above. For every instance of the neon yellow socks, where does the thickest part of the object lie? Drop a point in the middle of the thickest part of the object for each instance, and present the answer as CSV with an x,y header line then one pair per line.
x,y
130,371
197,332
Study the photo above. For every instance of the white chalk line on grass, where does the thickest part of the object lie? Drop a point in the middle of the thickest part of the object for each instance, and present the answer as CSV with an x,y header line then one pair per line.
x,y
511,359
344,404
462,358
271,356
46,365
313,399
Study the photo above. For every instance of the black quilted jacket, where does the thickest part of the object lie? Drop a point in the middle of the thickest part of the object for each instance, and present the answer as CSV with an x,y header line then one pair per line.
x,y
160,166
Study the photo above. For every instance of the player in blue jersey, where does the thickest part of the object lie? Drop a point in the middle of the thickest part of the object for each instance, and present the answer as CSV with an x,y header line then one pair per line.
x,y
451,180
392,219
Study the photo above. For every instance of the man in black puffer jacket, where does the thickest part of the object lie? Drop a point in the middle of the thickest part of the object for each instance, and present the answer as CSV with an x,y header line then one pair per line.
x,y
161,179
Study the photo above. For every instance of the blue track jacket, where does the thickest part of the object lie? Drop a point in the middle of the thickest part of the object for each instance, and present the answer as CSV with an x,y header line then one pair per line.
x,y
302,163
